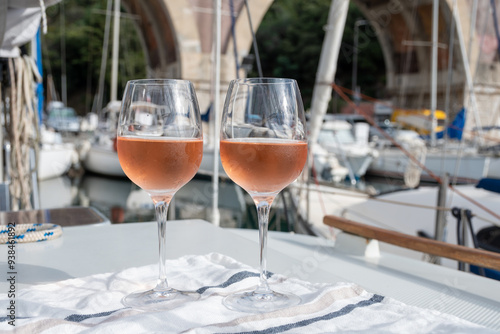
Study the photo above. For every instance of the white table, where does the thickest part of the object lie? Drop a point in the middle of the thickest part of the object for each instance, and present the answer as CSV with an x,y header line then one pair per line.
x,y
92,249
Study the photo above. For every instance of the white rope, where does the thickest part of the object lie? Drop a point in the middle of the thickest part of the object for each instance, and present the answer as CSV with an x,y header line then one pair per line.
x,y
44,17
22,130
24,233
413,171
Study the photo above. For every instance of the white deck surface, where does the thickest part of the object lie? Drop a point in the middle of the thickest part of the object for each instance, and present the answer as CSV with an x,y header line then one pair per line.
x,y
88,250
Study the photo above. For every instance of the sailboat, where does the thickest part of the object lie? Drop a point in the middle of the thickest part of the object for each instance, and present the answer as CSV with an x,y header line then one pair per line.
x,y
402,210
31,153
100,156
57,155
348,144
465,159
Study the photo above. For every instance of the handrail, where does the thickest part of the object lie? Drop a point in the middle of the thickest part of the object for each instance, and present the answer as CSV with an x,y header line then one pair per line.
x,y
469,255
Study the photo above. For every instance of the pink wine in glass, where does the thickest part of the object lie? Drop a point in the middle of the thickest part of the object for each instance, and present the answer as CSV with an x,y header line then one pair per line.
x,y
160,164
263,148
160,148
263,165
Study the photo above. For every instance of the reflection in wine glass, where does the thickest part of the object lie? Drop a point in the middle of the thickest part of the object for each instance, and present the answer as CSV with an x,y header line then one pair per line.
x,y
160,147
263,148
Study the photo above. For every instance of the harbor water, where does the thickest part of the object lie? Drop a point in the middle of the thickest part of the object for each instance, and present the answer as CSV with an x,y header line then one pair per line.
x,y
121,201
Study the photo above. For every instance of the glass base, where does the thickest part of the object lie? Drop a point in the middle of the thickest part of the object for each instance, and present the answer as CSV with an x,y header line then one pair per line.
x,y
153,300
260,302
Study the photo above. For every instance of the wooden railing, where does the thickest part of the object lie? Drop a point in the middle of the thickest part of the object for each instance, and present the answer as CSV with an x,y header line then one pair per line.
x,y
469,255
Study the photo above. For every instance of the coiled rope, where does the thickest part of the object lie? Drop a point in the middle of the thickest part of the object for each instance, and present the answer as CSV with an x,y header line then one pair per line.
x,y
21,123
413,171
24,233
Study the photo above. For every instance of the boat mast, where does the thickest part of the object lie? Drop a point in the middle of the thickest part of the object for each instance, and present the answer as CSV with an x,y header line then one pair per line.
x,y
104,57
64,89
468,74
114,63
325,75
216,51
435,26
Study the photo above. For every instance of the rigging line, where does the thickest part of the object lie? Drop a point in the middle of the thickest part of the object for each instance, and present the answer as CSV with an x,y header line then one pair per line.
x,y
372,99
316,183
472,29
408,154
388,201
62,38
366,97
447,95
494,214
406,62
448,92
450,68
468,76
495,24
104,57
233,32
373,198
254,41
487,220
479,56
386,135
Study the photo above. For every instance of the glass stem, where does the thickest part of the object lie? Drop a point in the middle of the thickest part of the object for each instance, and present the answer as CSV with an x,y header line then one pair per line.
x,y
161,208
263,214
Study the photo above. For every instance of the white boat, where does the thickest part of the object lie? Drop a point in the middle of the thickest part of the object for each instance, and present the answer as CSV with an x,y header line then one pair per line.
x,y
55,158
57,192
322,200
409,211
20,24
62,118
100,156
326,165
114,195
207,163
348,144
465,167
459,158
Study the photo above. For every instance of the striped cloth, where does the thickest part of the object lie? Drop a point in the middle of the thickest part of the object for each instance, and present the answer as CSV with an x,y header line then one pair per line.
x,y
92,305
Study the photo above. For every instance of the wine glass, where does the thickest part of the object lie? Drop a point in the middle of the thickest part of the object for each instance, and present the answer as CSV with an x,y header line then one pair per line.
x,y
263,148
160,147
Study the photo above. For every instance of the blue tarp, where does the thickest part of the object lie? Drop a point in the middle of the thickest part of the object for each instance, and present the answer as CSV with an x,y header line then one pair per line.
x,y
206,116
489,184
456,128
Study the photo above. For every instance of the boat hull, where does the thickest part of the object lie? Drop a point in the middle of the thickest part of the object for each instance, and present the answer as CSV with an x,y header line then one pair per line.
x,y
207,164
55,160
466,169
103,161
410,211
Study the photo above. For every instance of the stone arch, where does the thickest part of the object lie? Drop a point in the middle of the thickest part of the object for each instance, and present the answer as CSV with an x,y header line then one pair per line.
x,y
177,38
174,35
482,65
158,36
404,30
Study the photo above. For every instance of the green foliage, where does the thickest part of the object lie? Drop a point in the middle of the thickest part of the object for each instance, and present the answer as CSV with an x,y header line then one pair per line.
x,y
83,35
371,68
290,39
